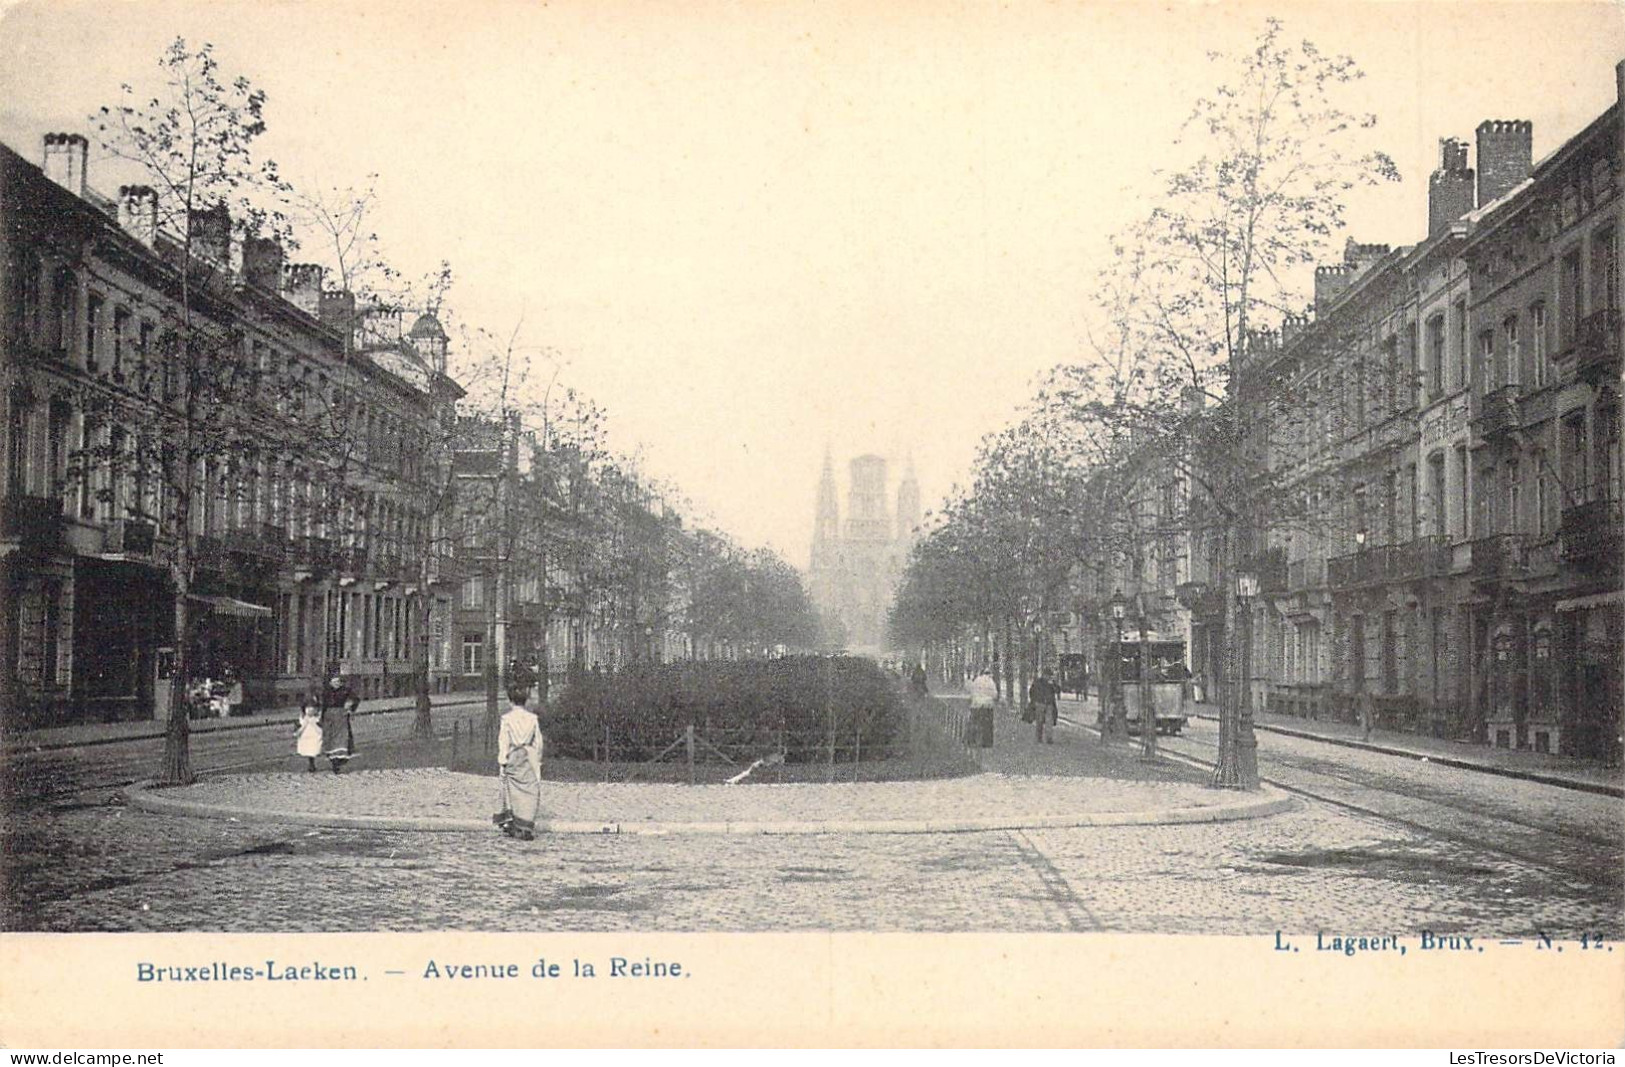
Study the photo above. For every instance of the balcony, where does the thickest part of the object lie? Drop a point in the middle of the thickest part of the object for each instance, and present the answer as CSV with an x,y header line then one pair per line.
x,y
1591,535
33,523
351,561
1498,558
315,553
1304,574
257,545
1425,557
1596,347
130,537
1497,413
1272,571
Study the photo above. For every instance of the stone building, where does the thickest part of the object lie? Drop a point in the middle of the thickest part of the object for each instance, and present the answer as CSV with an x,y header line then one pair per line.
x,y
300,560
855,568
1456,445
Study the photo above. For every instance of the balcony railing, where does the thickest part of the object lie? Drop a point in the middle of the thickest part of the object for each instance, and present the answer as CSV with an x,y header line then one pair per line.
x,y
1591,532
310,551
35,523
1424,557
1497,413
1497,558
1596,346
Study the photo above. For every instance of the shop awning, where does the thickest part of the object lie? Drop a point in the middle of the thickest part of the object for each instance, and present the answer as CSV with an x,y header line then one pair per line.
x,y
239,609
1596,600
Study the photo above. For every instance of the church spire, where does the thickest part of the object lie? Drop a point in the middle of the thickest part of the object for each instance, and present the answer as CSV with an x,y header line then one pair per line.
x,y
908,504
827,523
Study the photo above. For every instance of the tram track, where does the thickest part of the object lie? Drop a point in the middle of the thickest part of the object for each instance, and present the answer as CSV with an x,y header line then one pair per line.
x,y
1586,857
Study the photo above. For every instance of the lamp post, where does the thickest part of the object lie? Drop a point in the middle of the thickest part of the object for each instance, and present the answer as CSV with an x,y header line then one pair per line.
x,y
1148,712
1114,722
1246,743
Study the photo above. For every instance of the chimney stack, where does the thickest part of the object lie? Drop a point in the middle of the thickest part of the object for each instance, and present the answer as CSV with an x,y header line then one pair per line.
x,y
336,308
1505,156
1357,257
1329,284
66,157
138,212
211,233
304,289
262,263
1450,189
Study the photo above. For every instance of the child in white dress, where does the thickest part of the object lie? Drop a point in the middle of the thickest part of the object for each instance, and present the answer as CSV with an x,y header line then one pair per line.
x,y
309,732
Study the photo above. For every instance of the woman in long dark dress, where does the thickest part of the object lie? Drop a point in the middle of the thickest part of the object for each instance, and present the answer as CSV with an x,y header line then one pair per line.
x,y
338,738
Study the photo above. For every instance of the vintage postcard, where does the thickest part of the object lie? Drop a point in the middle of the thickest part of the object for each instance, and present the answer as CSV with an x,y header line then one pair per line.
x,y
803,524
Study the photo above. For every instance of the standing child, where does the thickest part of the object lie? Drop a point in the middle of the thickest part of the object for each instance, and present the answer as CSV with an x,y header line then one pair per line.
x,y
519,767
309,731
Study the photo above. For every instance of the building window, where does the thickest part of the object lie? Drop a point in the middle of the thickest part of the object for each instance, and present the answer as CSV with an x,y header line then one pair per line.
x,y
28,305
93,332
1574,472
1514,476
1510,354
473,654
1484,377
474,593
1458,379
1537,344
1570,299
1435,356
1436,495
64,303
1463,483
143,356
1604,270
121,326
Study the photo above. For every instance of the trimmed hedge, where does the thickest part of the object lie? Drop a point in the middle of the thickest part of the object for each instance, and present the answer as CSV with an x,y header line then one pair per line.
x,y
746,708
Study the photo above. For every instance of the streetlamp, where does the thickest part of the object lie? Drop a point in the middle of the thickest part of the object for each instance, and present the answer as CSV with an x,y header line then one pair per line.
x,y
1119,607
1148,711
1246,743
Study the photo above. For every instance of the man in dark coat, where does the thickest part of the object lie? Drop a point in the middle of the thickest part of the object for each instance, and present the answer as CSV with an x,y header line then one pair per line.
x,y
1041,696
338,739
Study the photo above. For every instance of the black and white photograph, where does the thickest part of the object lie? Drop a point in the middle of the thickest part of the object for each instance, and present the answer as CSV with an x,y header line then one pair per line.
x,y
1108,473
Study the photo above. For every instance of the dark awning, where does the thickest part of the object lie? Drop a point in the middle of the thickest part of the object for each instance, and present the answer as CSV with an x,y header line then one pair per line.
x,y
240,609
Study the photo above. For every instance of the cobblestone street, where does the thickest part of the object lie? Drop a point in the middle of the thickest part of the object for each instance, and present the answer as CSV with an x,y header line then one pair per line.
x,y
104,867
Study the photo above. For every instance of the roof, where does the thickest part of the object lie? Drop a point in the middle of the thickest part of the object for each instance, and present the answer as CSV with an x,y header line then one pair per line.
x,y
427,327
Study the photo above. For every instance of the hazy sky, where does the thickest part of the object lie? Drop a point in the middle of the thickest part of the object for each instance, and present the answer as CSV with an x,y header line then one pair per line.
x,y
754,229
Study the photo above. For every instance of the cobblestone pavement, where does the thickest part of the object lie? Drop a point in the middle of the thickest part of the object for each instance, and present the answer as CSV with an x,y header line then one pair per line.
x,y
95,865
104,867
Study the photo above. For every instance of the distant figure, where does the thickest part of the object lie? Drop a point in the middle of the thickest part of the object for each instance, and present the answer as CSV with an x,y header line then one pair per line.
x,y
519,768
984,694
1041,694
308,733
917,679
234,693
338,704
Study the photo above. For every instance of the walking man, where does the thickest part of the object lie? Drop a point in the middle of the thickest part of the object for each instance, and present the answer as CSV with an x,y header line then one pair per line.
x,y
1046,712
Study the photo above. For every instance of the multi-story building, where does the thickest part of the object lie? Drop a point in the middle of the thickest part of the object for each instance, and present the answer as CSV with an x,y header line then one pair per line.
x,y
1451,441
298,562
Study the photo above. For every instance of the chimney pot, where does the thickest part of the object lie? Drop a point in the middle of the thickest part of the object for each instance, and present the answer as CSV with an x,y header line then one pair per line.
x,y
1450,189
304,288
262,263
138,212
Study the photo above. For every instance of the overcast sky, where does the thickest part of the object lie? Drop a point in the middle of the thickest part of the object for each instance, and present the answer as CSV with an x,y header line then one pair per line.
x,y
756,229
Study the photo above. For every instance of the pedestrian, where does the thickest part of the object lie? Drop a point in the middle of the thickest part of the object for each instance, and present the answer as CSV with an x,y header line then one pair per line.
x,y
519,767
1046,712
234,693
338,704
309,733
984,694
1367,716
917,679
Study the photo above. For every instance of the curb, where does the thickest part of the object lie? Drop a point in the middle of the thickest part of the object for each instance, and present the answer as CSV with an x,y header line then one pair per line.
x,y
1599,788
144,798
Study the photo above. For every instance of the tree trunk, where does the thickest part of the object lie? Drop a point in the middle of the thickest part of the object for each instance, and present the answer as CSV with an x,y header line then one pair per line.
x,y
422,721
177,763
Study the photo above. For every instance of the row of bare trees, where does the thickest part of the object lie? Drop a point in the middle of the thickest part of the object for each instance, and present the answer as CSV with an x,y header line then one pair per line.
x,y
1156,458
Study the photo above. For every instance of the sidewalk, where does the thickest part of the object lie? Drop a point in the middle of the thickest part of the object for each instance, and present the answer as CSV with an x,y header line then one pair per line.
x,y
1584,775
81,735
